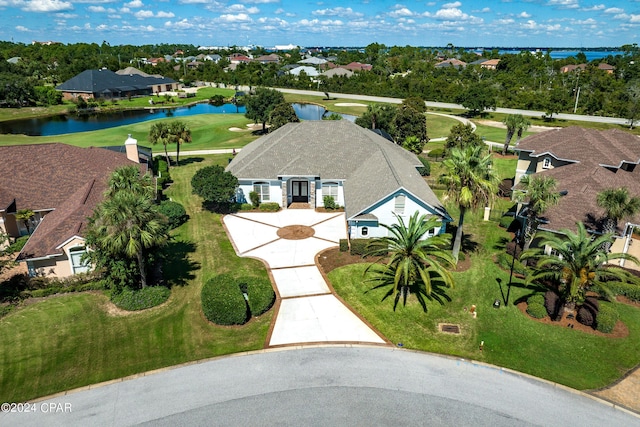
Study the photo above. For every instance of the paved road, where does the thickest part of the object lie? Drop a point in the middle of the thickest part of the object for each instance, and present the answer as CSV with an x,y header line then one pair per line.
x,y
530,113
328,386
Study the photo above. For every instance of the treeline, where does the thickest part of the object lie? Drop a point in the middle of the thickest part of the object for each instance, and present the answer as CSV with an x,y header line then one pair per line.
x,y
526,80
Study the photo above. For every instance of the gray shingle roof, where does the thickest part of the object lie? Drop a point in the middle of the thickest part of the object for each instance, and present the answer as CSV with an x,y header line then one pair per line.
x,y
371,166
98,81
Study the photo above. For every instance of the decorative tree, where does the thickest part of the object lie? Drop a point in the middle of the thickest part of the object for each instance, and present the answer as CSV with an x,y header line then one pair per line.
x,y
462,136
159,134
260,105
179,133
408,122
540,194
617,205
516,124
281,115
215,186
25,216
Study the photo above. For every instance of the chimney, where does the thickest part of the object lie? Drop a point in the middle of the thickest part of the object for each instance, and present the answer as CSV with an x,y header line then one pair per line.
x,y
131,145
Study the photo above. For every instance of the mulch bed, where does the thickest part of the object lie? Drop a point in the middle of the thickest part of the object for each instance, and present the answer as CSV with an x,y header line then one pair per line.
x,y
295,232
620,330
332,258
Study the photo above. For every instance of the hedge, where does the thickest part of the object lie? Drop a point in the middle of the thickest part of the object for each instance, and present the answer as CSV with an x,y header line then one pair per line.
x,y
537,310
175,213
628,290
607,318
270,207
359,246
344,245
260,293
222,301
140,299
506,221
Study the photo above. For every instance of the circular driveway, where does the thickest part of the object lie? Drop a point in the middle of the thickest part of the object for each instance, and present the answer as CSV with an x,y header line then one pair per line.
x,y
326,386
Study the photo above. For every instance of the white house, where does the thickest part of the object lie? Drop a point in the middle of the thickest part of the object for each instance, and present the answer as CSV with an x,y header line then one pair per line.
x,y
373,178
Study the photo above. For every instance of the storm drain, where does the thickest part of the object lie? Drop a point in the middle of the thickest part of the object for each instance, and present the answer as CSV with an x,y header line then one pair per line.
x,y
449,328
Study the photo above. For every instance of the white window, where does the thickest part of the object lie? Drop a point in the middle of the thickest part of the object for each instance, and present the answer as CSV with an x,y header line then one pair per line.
x,y
399,204
262,188
77,264
546,163
364,231
330,189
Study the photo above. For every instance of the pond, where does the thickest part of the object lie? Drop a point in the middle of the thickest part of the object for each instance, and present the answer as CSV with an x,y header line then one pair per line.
x,y
63,124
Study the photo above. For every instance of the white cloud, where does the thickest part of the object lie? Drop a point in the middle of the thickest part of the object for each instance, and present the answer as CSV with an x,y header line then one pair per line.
x,y
184,24
240,8
46,6
22,29
594,8
614,10
162,14
524,15
229,17
451,5
134,4
589,21
564,4
259,1
485,10
506,21
400,11
142,14
338,11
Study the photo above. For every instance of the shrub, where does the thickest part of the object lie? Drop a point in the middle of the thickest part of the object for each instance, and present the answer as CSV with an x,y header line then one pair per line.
x,y
255,199
505,221
504,260
17,245
552,303
260,293
537,310
344,245
222,301
536,299
425,170
359,246
175,213
140,299
607,318
270,207
246,207
629,290
436,153
329,202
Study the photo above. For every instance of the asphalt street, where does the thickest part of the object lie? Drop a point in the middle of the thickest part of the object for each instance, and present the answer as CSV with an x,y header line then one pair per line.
x,y
327,386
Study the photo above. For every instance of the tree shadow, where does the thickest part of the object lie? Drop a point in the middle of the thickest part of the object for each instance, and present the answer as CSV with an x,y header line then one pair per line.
x,y
221,208
177,265
190,160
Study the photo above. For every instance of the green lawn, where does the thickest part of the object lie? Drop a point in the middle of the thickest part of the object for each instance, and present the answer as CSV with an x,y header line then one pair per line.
x,y
70,341
511,339
208,131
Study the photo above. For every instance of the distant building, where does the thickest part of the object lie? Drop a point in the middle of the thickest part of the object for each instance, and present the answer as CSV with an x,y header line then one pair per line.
x,y
609,69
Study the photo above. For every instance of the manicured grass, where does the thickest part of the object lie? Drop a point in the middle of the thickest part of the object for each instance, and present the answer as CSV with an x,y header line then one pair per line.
x,y
70,341
208,131
511,338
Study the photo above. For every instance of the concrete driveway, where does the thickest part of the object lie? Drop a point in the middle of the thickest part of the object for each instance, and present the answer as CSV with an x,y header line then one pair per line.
x,y
307,312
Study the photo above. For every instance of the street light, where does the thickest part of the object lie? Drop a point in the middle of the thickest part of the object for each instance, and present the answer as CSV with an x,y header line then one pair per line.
x,y
516,241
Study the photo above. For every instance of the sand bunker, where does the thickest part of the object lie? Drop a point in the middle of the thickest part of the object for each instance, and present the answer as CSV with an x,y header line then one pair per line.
x,y
350,104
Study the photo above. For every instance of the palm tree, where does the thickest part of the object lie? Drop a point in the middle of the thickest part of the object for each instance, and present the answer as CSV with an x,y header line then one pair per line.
x,y
541,194
159,133
179,133
578,264
128,224
516,124
470,182
617,205
127,178
415,263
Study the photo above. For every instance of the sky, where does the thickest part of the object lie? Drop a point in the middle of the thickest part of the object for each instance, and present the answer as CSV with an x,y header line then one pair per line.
x,y
495,23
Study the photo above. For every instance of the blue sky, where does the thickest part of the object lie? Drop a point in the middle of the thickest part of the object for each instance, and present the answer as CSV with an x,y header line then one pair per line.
x,y
535,23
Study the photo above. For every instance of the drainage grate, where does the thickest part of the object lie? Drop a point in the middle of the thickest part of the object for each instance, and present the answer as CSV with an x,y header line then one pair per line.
x,y
449,328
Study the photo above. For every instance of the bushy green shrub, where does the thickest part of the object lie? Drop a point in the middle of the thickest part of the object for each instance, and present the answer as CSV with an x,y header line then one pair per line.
x,y
222,301
505,221
536,299
436,153
255,199
161,169
629,290
504,260
344,245
17,245
140,299
246,207
270,207
329,202
175,213
537,310
607,317
260,293
5,309
425,170
359,246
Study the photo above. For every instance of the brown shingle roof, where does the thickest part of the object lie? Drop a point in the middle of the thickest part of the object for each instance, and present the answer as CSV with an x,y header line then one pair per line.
x,y
68,180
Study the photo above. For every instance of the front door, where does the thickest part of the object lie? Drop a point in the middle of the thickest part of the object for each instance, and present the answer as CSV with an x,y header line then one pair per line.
x,y
300,191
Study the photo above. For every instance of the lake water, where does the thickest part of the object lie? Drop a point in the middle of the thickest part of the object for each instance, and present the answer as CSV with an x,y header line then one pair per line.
x,y
63,124
561,54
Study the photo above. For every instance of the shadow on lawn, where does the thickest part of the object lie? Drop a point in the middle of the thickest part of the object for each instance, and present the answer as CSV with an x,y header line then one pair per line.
x,y
178,267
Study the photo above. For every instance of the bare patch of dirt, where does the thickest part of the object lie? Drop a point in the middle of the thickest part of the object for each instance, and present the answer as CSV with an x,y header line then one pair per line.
x,y
296,232
332,258
620,330
463,264
624,300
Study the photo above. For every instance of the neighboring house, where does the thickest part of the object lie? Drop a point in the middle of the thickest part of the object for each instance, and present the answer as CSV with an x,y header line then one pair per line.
x,y
237,58
609,69
313,61
584,162
455,63
357,66
309,71
268,59
106,84
490,64
337,72
62,185
371,177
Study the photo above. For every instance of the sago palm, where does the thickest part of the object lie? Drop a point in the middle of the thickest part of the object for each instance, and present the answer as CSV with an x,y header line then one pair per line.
x,y
578,263
471,183
415,262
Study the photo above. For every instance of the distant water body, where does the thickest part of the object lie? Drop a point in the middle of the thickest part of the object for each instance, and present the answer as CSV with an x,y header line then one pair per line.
x,y
561,54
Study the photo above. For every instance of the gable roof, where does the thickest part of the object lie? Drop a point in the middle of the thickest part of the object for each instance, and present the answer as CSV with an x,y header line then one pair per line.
x,y
99,81
66,179
371,166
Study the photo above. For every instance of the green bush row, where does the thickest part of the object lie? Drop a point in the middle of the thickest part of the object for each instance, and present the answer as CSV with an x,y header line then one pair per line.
x,y
140,299
344,245
629,290
505,221
359,246
607,317
269,207
224,304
